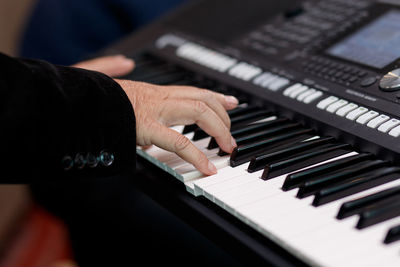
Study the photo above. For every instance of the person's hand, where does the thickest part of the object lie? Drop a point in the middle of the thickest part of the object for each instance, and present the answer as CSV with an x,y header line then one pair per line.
x,y
113,66
159,107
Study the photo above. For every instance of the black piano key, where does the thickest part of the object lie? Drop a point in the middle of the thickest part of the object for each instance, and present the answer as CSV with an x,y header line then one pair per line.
x,y
261,161
356,184
311,187
392,235
143,59
189,128
242,110
235,121
251,128
294,180
278,168
232,113
356,206
199,134
255,137
379,214
249,117
188,82
244,153
151,70
168,78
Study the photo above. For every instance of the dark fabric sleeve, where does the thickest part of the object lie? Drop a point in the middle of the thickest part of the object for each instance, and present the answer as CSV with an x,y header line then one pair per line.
x,y
61,122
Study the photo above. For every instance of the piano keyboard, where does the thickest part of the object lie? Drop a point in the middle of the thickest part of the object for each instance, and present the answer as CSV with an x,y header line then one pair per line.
x,y
321,199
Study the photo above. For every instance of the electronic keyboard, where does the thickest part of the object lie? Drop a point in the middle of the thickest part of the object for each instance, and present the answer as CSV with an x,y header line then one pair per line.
x,y
316,169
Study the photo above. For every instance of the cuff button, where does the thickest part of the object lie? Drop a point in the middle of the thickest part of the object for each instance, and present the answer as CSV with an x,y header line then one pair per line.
x,y
67,163
80,161
91,160
106,158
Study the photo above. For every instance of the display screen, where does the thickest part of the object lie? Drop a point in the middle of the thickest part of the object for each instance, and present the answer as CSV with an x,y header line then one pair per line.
x,y
376,44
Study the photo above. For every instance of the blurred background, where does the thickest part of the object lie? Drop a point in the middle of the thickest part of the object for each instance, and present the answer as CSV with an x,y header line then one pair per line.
x,y
13,16
62,32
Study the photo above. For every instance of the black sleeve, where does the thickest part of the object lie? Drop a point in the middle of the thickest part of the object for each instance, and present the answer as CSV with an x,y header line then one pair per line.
x,y
61,122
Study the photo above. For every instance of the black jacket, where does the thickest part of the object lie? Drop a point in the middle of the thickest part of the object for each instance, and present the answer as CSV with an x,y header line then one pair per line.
x,y
60,122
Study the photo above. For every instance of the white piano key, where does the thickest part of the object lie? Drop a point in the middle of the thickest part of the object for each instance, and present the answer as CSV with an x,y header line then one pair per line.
x,y
189,172
312,232
223,174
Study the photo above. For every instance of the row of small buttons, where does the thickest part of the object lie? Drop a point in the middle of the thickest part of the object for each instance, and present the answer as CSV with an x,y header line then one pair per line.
x,y
206,57
302,93
80,161
271,81
217,61
244,71
333,71
220,62
361,115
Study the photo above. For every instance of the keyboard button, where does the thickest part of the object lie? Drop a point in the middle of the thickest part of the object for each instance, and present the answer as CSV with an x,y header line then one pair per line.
x,y
277,84
244,71
377,121
298,91
363,119
395,132
343,111
387,126
326,102
353,115
265,77
335,106
312,97
303,95
290,89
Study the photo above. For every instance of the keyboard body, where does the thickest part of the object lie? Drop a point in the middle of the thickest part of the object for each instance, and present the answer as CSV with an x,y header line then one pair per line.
x,y
292,59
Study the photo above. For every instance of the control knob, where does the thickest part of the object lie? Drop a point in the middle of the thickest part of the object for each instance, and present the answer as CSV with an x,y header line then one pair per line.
x,y
391,81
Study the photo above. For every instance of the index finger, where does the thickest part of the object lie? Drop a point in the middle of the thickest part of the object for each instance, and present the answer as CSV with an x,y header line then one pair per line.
x,y
173,141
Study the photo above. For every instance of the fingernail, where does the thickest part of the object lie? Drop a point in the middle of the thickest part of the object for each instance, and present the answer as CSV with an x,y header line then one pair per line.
x,y
211,167
233,142
128,61
231,100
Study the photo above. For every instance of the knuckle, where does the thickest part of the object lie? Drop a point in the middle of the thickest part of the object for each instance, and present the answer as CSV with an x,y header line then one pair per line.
x,y
200,107
207,94
181,143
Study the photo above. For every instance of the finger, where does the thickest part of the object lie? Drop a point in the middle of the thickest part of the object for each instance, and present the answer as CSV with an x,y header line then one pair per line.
x,y
178,112
214,100
227,101
173,141
114,66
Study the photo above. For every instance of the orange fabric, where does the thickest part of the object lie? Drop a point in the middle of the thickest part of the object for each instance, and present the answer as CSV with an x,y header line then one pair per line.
x,y
41,241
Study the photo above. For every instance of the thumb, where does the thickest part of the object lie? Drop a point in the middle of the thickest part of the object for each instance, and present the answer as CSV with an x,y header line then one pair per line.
x,y
113,66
